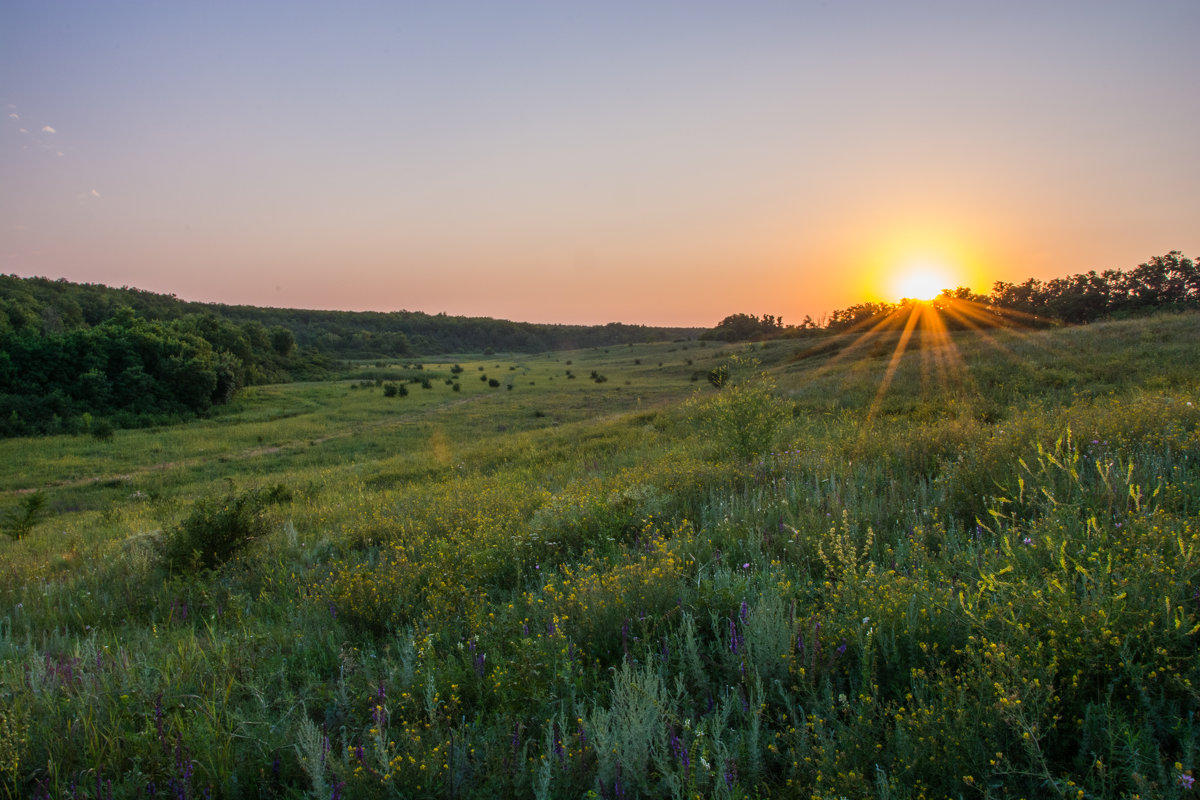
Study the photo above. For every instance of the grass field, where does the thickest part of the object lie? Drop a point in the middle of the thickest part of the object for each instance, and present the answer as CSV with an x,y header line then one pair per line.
x,y
973,571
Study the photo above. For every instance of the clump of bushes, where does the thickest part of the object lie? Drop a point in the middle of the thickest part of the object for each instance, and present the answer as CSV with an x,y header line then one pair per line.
x,y
219,528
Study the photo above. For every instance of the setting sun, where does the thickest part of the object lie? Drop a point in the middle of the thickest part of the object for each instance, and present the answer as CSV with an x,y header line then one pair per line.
x,y
921,281
919,285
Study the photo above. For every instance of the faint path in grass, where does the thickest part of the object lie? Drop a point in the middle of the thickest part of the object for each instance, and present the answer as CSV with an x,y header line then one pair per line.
x,y
355,429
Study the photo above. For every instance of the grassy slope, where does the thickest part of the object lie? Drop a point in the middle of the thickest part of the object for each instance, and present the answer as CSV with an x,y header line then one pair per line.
x,y
934,590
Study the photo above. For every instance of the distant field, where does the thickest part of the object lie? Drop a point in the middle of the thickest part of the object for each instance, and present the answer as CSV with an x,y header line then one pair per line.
x,y
970,570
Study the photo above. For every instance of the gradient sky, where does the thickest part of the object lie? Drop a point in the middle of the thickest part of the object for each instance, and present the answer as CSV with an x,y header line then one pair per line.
x,y
666,163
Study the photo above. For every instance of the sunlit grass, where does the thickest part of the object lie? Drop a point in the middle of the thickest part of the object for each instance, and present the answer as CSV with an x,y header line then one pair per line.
x,y
967,566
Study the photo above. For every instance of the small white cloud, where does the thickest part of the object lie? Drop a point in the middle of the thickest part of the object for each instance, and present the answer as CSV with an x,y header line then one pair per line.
x,y
14,115
48,129
58,153
93,193
22,130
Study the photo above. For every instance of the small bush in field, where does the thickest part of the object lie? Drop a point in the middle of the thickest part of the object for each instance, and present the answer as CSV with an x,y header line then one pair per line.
x,y
219,528
747,415
492,382
102,430
20,520
390,389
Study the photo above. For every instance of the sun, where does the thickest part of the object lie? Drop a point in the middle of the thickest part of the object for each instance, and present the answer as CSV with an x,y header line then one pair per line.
x,y
920,281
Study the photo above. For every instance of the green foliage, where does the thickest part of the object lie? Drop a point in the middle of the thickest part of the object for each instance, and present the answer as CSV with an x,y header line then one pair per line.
x,y
218,529
19,521
747,416
102,430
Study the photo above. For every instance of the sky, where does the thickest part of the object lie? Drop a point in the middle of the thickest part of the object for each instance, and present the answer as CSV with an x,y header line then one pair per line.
x,y
657,162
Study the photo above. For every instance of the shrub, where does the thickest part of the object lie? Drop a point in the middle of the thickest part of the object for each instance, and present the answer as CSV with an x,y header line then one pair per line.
x,y
103,430
28,513
747,416
493,383
390,389
219,528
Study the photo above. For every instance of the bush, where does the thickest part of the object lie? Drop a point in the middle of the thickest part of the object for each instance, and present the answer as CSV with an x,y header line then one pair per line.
x,y
219,528
390,389
19,521
103,430
492,382
746,416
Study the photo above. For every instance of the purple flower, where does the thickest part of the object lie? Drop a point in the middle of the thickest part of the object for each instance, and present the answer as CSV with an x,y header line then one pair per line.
x,y
1186,780
746,565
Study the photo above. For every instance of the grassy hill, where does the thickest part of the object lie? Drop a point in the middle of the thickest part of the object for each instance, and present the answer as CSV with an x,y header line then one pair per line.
x,y
960,564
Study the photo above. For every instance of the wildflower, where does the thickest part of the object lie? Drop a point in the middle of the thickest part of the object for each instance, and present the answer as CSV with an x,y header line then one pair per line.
x,y
1027,541
746,565
1186,780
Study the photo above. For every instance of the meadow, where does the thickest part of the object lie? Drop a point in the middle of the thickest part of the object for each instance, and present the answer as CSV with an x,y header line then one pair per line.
x,y
970,572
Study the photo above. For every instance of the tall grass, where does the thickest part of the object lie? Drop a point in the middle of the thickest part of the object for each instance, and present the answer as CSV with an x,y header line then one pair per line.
x,y
976,592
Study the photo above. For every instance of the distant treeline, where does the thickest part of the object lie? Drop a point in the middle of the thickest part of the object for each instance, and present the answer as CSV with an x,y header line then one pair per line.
x,y
1170,282
87,358
364,334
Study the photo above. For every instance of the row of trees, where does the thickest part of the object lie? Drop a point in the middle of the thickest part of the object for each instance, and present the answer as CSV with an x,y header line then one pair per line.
x,y
1170,281
1164,282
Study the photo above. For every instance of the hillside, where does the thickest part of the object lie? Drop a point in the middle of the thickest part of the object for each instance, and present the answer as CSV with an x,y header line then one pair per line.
x,y
926,563
56,305
84,358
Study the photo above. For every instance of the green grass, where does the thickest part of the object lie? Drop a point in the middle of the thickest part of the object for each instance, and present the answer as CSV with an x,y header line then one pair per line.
x,y
981,582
